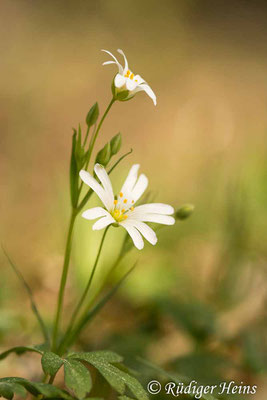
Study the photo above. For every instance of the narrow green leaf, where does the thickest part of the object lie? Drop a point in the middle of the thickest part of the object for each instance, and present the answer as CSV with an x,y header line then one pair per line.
x,y
74,173
51,363
77,378
30,294
19,350
92,115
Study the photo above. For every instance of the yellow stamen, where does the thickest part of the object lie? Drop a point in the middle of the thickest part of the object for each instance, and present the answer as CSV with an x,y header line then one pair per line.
x,y
135,80
123,211
125,201
132,201
132,208
121,194
115,202
125,216
132,76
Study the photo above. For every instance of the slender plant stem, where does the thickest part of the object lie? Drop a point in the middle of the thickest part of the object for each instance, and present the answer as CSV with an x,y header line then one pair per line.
x,y
69,238
86,136
94,137
85,292
63,279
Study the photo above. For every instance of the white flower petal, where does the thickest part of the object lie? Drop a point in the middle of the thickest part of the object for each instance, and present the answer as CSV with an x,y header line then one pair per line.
x,y
119,81
135,235
144,229
104,179
96,187
108,62
103,223
125,61
94,213
139,79
131,179
148,90
159,219
140,187
116,61
155,208
131,84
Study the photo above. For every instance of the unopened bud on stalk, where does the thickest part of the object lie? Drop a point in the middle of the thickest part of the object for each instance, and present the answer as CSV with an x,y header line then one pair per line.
x,y
104,155
115,144
184,212
92,115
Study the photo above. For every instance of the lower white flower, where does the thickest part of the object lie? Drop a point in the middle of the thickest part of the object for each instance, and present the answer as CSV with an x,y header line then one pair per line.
x,y
120,211
127,80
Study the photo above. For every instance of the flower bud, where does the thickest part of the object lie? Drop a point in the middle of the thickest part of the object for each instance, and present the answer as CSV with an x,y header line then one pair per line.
x,y
115,144
184,212
104,155
92,115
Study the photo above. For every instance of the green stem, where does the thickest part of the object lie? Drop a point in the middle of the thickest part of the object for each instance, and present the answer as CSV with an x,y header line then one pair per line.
x,y
63,280
94,137
83,297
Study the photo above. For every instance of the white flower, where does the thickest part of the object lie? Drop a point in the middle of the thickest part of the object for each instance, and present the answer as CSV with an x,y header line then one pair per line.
x,y
126,80
120,210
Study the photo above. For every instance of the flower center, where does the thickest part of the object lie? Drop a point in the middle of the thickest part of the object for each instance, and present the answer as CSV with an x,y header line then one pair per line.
x,y
121,207
130,75
119,215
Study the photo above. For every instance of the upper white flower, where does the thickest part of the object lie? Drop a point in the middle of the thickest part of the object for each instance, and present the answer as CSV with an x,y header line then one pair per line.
x,y
120,209
126,80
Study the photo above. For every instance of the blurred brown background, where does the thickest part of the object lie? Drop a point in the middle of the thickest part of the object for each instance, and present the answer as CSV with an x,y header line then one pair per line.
x,y
204,143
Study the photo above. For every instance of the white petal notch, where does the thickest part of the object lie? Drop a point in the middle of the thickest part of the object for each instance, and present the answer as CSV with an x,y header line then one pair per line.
x,y
126,80
119,210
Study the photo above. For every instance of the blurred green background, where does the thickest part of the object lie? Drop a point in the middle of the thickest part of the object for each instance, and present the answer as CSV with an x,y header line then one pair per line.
x,y
196,304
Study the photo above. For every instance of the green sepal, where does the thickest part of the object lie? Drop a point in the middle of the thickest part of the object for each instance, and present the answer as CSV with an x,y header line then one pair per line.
x,y
115,144
51,363
74,172
104,155
92,115
77,378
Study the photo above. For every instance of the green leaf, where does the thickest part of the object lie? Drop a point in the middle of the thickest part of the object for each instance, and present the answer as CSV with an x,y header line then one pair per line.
x,y
77,378
92,115
48,391
51,363
117,379
6,391
29,291
74,173
20,350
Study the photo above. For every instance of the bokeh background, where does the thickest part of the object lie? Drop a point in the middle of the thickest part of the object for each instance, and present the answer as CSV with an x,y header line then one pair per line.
x,y
196,304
